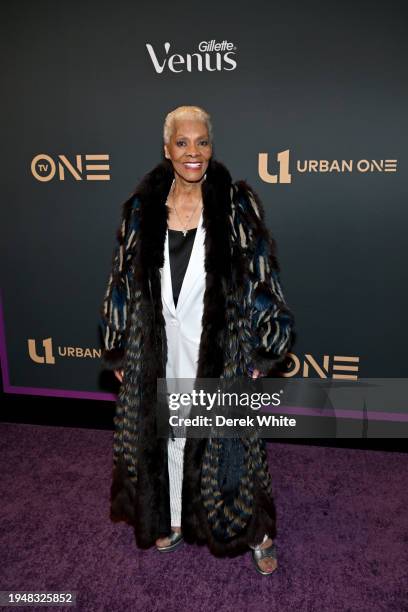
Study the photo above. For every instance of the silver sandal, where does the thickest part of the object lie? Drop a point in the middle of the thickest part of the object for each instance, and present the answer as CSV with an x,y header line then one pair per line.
x,y
175,540
263,553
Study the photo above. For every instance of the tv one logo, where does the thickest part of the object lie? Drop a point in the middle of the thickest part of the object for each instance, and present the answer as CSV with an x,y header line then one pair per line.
x,y
89,167
339,367
320,166
211,56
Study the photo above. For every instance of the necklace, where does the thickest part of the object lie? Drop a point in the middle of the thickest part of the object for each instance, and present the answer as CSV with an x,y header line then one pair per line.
x,y
185,225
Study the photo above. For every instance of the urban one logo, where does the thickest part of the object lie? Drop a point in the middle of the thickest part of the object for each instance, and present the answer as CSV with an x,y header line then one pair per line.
x,y
212,56
46,352
320,166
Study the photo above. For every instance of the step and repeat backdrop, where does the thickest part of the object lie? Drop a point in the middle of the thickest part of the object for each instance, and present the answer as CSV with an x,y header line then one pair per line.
x,y
309,105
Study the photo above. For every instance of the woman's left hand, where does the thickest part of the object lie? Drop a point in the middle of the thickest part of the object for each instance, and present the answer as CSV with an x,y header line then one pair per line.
x,y
256,373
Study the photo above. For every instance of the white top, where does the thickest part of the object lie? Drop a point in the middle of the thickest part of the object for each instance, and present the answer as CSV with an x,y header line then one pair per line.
x,y
184,322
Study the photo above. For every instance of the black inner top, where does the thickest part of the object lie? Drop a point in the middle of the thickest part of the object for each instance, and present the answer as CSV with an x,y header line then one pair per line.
x,y
180,247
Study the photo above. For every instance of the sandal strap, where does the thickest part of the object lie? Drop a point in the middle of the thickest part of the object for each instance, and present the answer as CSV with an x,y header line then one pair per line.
x,y
174,537
263,553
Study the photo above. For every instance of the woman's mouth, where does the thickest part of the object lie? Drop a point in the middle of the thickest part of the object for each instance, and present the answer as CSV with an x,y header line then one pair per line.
x,y
193,165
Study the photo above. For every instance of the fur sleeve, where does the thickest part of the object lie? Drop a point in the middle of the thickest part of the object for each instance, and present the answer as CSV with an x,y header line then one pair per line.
x,y
270,322
114,309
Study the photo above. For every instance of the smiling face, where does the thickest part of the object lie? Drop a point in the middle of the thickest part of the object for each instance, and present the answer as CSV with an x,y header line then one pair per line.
x,y
189,149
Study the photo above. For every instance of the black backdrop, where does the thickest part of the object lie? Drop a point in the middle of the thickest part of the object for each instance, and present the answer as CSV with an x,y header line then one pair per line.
x,y
323,82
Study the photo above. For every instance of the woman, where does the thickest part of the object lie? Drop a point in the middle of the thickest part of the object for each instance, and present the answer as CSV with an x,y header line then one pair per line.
x,y
194,292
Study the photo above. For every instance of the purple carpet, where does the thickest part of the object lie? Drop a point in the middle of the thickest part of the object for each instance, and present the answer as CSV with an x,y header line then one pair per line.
x,y
342,523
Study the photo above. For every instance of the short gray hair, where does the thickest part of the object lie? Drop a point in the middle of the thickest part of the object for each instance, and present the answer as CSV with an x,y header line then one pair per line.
x,y
186,112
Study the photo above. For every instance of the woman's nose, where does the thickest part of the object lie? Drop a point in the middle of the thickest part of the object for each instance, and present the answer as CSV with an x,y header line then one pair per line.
x,y
192,149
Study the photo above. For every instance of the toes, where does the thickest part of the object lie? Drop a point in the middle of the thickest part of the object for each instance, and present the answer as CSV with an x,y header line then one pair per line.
x,y
163,542
267,565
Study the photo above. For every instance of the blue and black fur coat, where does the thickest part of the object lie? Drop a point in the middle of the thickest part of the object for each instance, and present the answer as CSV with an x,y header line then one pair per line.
x,y
226,498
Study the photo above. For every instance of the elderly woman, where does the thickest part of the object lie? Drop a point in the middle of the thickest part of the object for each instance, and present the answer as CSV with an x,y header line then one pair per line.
x,y
194,292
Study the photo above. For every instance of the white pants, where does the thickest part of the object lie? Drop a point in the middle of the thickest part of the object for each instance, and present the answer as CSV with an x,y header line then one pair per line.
x,y
175,462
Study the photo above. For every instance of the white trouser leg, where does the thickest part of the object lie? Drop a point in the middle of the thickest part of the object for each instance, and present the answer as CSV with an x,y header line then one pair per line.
x,y
175,463
175,449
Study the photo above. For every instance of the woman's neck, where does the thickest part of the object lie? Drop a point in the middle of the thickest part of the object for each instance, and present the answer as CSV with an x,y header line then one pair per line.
x,y
184,191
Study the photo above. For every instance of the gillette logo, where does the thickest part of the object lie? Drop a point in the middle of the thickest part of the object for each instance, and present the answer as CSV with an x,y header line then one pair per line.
x,y
212,56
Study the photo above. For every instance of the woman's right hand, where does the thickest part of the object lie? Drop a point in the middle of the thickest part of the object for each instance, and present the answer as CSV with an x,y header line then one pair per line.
x,y
119,375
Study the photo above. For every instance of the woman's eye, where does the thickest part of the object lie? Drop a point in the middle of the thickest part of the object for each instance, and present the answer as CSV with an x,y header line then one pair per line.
x,y
180,143
204,142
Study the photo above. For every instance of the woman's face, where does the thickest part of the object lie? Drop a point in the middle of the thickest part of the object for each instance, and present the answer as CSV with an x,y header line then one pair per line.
x,y
189,149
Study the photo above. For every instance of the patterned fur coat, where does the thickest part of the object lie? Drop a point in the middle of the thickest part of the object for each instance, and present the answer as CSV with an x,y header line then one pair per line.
x,y
226,497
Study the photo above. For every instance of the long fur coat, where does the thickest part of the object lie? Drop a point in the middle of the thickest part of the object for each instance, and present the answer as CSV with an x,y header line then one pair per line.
x,y
226,496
